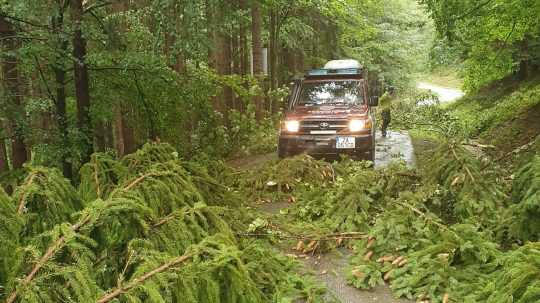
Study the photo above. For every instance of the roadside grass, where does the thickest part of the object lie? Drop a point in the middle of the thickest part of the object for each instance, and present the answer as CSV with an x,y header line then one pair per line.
x,y
505,114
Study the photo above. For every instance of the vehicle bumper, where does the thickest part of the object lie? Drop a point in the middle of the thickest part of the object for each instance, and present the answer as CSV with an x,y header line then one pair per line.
x,y
324,146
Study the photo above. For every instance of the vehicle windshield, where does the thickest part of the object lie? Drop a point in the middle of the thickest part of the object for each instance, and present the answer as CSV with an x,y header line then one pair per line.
x,y
331,93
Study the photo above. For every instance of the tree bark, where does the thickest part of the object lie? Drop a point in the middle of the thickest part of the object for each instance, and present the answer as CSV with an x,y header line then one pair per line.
x,y
124,134
244,56
60,102
130,145
11,82
4,167
273,55
99,136
225,69
119,131
236,64
82,86
256,22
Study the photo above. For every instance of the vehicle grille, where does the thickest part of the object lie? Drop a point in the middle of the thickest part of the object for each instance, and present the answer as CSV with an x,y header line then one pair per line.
x,y
321,125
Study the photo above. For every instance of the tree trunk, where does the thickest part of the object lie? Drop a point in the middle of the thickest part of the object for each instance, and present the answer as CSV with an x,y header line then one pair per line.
x,y
300,62
244,56
82,86
243,53
224,64
273,54
256,22
12,88
99,136
236,65
119,131
4,167
60,102
129,135
123,132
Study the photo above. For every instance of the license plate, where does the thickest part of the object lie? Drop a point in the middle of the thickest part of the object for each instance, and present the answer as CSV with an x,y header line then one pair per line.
x,y
345,142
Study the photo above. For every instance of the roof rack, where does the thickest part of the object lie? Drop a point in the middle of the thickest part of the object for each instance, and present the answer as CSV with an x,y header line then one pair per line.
x,y
342,71
343,64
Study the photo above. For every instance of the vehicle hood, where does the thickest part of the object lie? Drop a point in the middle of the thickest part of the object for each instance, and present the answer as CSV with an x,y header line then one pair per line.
x,y
327,112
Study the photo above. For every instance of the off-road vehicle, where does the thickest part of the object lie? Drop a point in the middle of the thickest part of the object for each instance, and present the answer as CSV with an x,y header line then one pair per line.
x,y
330,114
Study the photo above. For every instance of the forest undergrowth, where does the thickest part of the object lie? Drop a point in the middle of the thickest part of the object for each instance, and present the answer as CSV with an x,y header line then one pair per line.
x,y
459,230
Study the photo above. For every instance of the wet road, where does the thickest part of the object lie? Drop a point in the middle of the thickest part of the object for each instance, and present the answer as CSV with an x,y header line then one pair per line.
x,y
330,270
397,146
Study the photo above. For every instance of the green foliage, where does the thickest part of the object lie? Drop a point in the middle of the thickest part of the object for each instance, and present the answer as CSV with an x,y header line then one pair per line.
x,y
392,38
419,110
251,137
277,180
515,281
100,176
472,191
495,38
10,231
346,206
526,196
496,114
420,256
44,199
146,230
439,236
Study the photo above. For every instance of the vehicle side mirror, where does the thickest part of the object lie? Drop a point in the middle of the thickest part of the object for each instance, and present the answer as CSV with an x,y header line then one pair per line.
x,y
374,101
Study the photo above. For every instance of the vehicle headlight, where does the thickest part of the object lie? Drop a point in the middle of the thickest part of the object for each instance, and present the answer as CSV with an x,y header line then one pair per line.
x,y
358,125
292,126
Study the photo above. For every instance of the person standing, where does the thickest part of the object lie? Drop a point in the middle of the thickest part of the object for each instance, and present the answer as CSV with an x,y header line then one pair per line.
x,y
385,104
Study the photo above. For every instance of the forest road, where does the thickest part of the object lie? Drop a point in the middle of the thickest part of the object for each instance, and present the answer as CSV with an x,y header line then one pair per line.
x,y
331,269
396,146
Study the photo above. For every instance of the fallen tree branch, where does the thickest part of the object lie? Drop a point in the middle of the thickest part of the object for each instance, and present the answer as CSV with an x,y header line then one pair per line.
x,y
461,161
138,281
61,241
57,245
96,179
23,195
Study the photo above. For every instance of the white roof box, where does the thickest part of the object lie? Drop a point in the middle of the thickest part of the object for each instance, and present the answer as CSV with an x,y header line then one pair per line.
x,y
343,64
